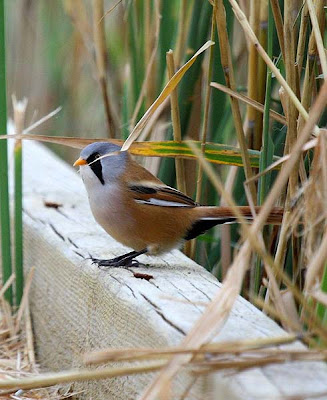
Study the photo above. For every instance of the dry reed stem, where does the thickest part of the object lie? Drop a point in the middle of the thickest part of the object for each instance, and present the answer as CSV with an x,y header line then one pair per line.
x,y
179,163
226,62
149,36
226,256
101,62
19,108
317,263
308,81
220,306
149,69
246,362
269,310
205,120
323,161
182,30
228,347
262,73
50,379
279,25
282,242
275,295
258,106
292,312
184,396
77,12
317,34
314,208
302,38
319,295
289,40
110,9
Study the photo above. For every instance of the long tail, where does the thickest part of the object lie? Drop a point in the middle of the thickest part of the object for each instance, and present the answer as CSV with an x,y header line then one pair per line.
x,y
226,214
208,217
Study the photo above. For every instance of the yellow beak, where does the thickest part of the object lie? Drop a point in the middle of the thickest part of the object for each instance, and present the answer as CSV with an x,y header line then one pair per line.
x,y
80,161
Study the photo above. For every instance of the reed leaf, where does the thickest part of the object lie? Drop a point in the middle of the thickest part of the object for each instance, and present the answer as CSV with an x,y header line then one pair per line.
x,y
214,152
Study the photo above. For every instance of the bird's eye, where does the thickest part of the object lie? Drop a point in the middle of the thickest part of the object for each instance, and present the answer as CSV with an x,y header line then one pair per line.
x,y
92,157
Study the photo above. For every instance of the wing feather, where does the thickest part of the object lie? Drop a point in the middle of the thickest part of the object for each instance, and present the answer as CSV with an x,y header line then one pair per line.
x,y
160,195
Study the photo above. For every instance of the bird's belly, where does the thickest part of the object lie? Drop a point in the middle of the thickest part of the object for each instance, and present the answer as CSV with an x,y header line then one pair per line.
x,y
115,218
139,226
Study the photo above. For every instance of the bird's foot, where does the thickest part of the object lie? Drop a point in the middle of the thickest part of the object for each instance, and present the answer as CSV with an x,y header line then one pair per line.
x,y
115,263
124,261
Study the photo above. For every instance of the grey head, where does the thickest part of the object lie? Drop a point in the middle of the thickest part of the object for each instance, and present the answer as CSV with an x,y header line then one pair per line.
x,y
105,170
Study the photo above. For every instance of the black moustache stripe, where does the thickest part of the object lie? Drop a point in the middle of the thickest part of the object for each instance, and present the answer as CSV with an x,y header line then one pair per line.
x,y
96,166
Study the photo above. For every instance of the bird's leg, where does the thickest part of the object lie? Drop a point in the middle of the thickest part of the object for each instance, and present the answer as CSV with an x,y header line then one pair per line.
x,y
126,260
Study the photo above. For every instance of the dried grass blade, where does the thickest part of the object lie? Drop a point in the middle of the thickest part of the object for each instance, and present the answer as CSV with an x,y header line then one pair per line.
x,y
77,143
7,284
319,295
258,106
319,41
170,86
50,379
42,120
230,347
29,335
309,145
24,298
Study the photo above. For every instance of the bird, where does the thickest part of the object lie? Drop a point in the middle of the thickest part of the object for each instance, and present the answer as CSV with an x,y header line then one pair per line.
x,y
140,211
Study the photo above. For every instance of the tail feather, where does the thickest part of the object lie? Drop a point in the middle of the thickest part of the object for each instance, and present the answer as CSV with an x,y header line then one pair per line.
x,y
208,217
221,213
202,225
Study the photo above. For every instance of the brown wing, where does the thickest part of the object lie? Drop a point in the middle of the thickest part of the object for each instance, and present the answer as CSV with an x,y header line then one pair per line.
x,y
159,195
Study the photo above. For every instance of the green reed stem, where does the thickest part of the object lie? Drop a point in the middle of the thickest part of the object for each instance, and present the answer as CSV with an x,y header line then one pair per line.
x,y
4,192
19,223
267,151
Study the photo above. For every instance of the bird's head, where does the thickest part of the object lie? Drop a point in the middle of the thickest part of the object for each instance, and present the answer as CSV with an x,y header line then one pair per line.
x,y
101,163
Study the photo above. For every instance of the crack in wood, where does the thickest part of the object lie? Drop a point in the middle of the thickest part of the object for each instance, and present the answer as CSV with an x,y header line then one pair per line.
x,y
161,314
57,232
123,284
201,291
